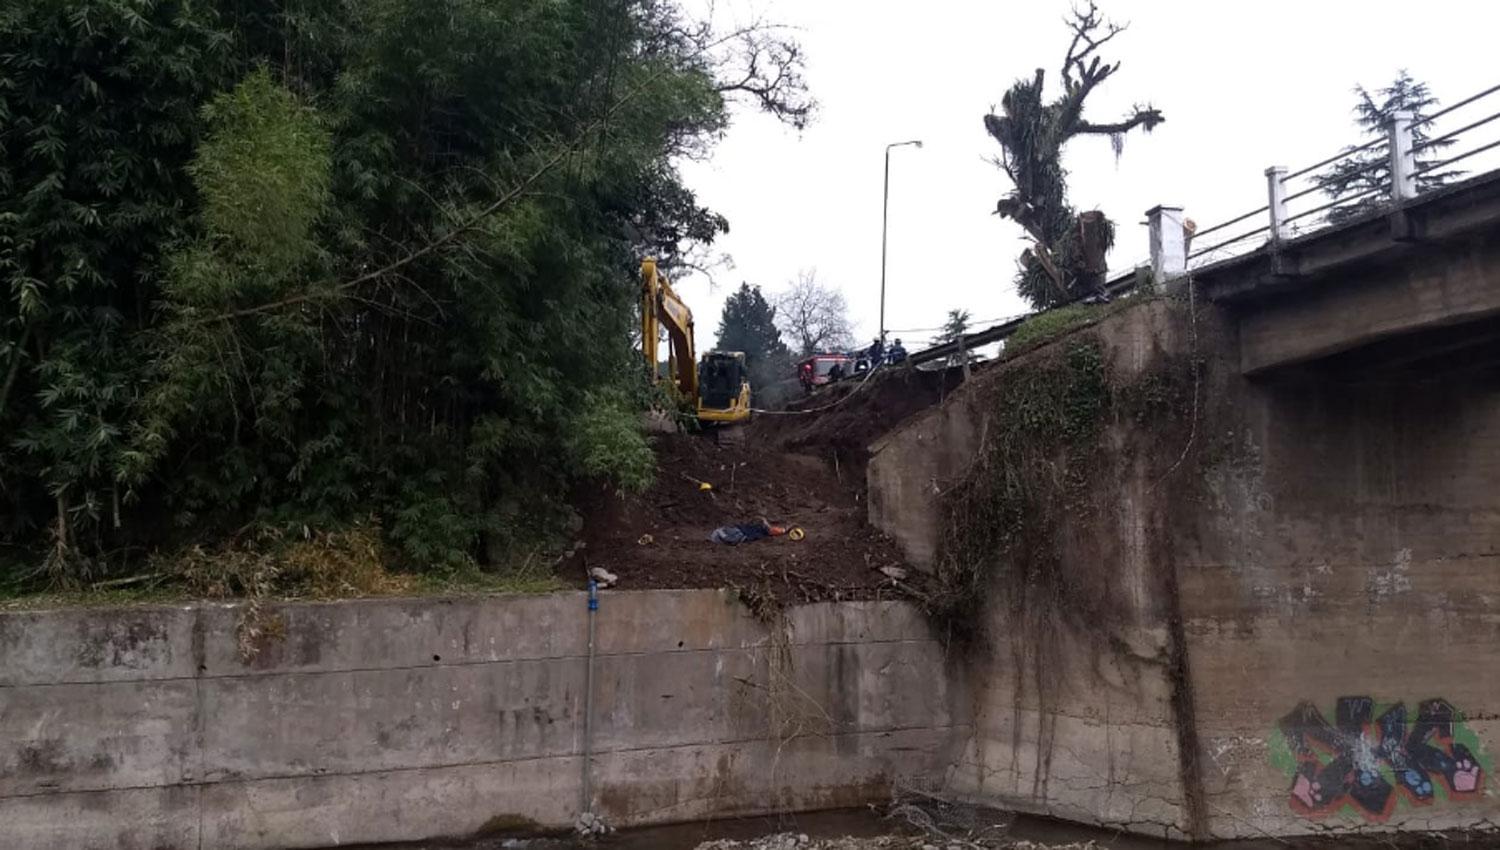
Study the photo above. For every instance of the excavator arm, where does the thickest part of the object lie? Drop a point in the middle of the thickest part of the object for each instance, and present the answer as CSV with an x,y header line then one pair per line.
x,y
720,398
662,309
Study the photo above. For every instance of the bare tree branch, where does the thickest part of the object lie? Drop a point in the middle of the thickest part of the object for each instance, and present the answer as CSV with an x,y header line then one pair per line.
x,y
816,317
1147,117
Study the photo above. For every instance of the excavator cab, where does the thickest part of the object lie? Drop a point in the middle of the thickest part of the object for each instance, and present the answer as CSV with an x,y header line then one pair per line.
x,y
723,387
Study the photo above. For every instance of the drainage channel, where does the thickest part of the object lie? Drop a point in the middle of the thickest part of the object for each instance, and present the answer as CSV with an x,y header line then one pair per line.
x,y
817,826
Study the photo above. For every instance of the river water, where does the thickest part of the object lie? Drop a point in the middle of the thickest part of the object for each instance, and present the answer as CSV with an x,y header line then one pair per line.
x,y
862,823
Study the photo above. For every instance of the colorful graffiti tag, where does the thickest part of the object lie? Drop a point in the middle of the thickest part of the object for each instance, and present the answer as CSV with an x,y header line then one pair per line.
x,y
1371,760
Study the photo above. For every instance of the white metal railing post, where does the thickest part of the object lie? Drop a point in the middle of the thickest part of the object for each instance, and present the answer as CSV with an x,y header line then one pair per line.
x,y
1403,160
1168,243
1276,201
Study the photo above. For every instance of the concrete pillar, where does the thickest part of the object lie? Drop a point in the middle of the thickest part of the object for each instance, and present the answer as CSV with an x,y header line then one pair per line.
x,y
1276,201
1168,243
1403,160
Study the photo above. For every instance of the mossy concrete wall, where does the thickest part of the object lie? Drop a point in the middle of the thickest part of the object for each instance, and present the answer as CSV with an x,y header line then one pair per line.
x,y
393,720
1307,560
1071,719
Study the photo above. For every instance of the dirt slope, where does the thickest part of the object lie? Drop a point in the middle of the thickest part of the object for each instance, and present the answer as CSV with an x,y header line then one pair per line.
x,y
843,419
805,470
839,558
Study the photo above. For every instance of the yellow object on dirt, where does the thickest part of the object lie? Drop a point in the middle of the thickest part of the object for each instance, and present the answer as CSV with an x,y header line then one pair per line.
x,y
704,486
796,533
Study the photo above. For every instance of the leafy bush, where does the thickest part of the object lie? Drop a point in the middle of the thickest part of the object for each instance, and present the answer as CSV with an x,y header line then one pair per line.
x,y
607,442
364,258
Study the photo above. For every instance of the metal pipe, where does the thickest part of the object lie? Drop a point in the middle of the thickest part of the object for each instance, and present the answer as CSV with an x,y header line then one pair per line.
x,y
588,704
1453,134
1236,220
1463,156
885,216
1335,158
1460,105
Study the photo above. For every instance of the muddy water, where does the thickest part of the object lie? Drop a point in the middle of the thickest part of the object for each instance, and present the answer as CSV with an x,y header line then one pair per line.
x,y
861,823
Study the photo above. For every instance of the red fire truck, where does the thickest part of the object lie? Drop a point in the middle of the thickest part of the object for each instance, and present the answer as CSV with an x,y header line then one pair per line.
x,y
814,370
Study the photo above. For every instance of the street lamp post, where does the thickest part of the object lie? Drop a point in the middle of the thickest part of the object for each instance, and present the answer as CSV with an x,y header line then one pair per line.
x,y
885,215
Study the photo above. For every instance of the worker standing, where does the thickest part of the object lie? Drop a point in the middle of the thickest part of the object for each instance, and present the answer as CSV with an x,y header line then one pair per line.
x,y
898,352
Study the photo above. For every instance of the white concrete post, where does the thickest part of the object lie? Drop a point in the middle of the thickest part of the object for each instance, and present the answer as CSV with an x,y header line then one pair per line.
x,y
1276,201
1403,159
1168,243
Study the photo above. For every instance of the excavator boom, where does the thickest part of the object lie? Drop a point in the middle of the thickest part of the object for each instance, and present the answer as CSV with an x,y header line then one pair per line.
x,y
661,309
725,398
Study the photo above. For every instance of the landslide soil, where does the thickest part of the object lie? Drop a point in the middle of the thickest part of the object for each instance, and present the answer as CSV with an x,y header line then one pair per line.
x,y
804,469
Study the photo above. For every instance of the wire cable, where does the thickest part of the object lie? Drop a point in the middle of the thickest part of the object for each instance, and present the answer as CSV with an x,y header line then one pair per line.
x,y
851,394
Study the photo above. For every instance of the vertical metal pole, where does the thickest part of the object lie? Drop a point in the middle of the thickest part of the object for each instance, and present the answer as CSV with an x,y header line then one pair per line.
x,y
885,215
1168,243
588,705
1276,201
1403,160
963,352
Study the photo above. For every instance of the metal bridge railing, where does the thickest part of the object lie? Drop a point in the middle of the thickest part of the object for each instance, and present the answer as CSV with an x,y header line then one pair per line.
x,y
1292,207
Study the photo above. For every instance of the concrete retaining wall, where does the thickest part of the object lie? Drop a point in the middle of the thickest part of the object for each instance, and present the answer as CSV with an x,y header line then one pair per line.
x,y
1068,722
388,720
1314,607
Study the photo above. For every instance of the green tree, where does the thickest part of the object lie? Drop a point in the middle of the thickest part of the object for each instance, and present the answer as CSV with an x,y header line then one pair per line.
x,y
955,327
361,258
748,324
1066,259
1366,175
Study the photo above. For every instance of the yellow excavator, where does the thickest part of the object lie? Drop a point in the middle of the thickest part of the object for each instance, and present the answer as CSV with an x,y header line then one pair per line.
x,y
718,386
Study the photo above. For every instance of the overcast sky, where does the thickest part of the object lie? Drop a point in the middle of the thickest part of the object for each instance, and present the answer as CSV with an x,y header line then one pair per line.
x,y
1243,86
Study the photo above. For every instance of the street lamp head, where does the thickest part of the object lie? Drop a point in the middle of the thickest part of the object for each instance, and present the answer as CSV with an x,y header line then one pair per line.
x,y
916,142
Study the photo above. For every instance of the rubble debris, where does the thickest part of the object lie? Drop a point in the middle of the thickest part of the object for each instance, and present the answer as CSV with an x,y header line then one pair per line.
x,y
590,825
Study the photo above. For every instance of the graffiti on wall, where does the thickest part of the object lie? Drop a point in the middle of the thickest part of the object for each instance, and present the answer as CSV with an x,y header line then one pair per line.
x,y
1371,756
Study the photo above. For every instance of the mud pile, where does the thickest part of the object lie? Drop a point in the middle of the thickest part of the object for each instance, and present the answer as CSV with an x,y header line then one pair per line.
x,y
805,468
842,420
660,539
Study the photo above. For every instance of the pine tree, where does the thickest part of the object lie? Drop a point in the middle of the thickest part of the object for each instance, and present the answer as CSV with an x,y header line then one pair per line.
x,y
1369,171
748,324
956,326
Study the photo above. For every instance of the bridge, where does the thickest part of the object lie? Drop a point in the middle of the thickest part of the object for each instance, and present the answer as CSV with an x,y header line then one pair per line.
x,y
1284,559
